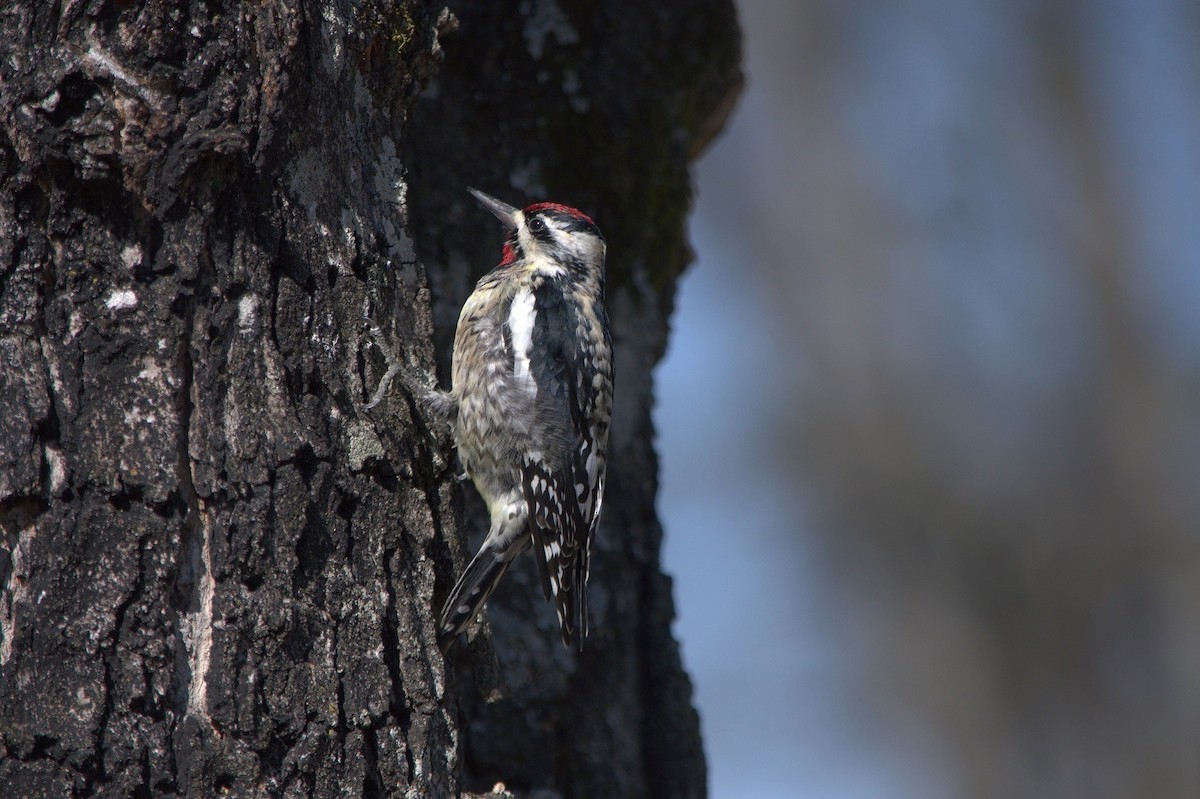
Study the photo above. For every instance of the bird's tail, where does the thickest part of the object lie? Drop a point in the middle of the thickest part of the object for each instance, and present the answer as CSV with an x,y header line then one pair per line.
x,y
466,599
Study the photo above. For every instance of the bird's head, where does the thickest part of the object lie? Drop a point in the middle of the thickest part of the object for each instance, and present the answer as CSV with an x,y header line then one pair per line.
x,y
550,237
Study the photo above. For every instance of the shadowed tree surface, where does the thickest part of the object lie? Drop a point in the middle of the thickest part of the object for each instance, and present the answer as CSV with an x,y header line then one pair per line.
x,y
218,573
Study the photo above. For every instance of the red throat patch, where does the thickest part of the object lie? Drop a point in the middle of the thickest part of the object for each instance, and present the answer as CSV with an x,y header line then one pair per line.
x,y
509,255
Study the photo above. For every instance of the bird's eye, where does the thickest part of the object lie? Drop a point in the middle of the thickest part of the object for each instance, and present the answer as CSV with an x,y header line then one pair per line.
x,y
537,224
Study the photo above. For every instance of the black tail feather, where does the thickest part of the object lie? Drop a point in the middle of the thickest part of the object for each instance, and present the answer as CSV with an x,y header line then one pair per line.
x,y
466,599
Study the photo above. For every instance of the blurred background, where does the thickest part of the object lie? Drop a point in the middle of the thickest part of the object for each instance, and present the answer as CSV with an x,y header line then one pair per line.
x,y
930,417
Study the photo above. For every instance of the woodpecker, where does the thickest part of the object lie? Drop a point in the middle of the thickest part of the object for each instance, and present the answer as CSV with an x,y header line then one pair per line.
x,y
529,407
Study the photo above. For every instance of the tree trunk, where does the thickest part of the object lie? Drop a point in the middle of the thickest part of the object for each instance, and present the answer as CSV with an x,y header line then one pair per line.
x,y
219,573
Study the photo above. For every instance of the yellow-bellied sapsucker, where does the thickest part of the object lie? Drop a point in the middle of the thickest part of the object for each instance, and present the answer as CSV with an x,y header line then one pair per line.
x,y
530,408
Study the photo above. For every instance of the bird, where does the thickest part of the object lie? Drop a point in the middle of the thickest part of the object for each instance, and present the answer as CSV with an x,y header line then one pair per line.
x,y
530,407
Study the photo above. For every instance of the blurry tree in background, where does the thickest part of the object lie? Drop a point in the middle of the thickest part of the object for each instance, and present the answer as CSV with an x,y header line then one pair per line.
x,y
976,227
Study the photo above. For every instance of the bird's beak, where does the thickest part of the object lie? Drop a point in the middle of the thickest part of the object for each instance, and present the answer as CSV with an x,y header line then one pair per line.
x,y
503,211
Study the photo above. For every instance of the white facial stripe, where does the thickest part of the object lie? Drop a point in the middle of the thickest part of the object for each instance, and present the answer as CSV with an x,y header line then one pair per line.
x,y
540,254
542,264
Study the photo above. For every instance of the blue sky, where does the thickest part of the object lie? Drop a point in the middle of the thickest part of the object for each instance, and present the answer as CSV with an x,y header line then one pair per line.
x,y
949,218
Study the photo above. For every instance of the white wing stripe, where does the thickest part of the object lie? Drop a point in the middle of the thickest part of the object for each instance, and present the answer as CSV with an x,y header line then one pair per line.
x,y
521,317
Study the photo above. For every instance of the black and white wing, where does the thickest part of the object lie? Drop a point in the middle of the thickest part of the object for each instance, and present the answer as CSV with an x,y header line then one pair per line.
x,y
563,480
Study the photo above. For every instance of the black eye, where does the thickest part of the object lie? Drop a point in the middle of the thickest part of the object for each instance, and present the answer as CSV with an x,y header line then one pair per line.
x,y
537,225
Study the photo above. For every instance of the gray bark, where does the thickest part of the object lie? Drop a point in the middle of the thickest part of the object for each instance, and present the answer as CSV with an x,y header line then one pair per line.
x,y
218,573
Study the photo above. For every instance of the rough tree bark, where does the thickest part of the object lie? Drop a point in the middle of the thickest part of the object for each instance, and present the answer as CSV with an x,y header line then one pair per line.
x,y
218,573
